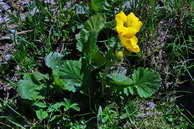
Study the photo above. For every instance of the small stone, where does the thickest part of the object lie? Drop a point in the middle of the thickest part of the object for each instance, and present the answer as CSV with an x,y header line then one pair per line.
x,y
151,105
7,57
17,67
4,6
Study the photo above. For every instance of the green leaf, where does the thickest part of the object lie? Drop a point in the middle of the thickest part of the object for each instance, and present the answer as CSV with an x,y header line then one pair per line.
x,y
121,81
146,81
81,38
87,40
66,73
41,114
88,35
104,6
56,107
27,89
143,82
54,60
120,78
67,105
70,74
37,77
96,5
40,104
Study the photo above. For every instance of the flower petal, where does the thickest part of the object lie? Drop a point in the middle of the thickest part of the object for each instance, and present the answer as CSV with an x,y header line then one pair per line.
x,y
127,32
134,21
130,43
121,18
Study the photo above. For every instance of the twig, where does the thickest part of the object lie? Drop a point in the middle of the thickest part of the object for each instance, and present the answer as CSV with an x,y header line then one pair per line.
x,y
24,32
5,125
18,33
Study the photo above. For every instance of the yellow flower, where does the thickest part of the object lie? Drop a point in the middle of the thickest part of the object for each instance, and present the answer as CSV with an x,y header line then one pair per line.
x,y
127,27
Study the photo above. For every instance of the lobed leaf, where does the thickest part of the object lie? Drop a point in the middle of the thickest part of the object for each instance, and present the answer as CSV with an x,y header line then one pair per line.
x,y
41,114
143,82
66,104
66,73
28,89
87,40
146,81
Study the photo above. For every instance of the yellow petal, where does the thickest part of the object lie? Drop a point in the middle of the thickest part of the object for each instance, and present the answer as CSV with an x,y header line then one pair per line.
x,y
126,31
120,18
130,43
127,26
134,21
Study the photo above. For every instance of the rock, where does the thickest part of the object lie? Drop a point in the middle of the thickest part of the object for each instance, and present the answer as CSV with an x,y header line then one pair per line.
x,y
7,57
4,6
51,2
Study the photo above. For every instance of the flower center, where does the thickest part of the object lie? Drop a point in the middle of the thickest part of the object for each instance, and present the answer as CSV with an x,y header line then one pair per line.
x,y
127,24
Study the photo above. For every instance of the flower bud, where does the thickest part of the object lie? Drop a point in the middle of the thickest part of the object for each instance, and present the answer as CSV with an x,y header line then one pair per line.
x,y
119,54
